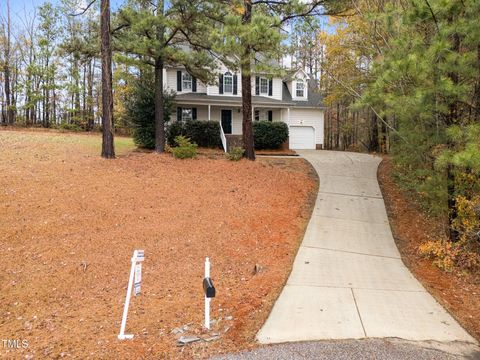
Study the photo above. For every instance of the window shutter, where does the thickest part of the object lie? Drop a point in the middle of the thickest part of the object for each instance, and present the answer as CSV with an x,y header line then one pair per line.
x,y
257,85
179,114
220,84
270,87
270,115
179,80
194,113
194,84
235,84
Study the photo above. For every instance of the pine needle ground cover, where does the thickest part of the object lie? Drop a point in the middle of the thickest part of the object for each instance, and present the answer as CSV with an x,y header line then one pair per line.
x,y
70,221
457,291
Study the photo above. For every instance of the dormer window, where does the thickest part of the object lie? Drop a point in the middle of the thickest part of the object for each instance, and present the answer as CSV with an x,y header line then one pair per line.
x,y
186,81
300,88
263,86
228,82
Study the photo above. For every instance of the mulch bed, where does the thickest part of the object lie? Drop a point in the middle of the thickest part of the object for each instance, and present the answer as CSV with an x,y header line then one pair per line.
x,y
70,221
458,293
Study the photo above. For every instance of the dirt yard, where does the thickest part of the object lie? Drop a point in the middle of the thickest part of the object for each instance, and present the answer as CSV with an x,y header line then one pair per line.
x,y
458,293
69,222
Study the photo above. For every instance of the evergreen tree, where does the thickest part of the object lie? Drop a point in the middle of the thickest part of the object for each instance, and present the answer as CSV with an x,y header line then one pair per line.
x,y
252,31
155,35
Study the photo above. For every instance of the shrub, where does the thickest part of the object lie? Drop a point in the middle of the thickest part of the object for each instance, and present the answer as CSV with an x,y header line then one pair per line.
x,y
70,127
269,135
185,148
202,133
235,153
140,111
174,130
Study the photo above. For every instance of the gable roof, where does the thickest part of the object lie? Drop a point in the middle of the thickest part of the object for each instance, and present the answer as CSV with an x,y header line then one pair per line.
x,y
292,74
315,99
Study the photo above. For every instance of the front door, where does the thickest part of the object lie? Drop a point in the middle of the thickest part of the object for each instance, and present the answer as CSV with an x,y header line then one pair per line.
x,y
227,121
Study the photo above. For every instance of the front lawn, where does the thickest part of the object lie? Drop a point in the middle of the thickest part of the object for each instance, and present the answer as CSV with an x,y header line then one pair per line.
x,y
70,220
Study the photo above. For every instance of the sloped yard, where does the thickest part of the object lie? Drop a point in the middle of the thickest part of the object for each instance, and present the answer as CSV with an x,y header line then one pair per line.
x,y
69,222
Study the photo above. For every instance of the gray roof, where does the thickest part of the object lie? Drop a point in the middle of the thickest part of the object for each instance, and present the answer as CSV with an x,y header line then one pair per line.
x,y
315,99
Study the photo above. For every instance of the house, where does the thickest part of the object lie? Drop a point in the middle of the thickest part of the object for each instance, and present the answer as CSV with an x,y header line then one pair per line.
x,y
293,100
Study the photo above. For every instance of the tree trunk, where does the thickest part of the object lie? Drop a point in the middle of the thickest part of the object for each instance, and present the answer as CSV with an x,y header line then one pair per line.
x,y
8,97
246,69
84,96
159,119
374,144
451,120
337,135
108,150
54,104
47,96
477,88
90,94
77,80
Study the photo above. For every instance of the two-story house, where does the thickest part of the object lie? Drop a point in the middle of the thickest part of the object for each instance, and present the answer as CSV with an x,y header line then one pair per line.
x,y
293,100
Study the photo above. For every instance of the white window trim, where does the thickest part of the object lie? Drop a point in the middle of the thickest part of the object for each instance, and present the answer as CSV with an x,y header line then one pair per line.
x,y
186,79
261,114
260,85
298,82
229,75
187,117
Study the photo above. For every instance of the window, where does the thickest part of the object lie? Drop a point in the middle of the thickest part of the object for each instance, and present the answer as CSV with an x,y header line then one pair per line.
x,y
261,115
300,88
228,83
187,114
263,86
186,81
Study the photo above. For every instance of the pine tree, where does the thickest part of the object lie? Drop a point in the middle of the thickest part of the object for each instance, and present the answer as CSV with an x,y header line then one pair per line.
x,y
252,31
155,35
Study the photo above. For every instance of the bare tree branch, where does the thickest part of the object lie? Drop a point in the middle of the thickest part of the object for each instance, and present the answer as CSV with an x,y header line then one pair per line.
x,y
84,10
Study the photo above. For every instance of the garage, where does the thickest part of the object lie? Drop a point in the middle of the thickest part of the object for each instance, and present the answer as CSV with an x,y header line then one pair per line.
x,y
302,137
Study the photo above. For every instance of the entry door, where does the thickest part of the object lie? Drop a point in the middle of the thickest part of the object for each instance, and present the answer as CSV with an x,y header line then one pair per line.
x,y
227,121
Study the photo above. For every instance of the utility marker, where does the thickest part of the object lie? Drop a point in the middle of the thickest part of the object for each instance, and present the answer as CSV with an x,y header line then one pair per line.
x,y
209,290
135,272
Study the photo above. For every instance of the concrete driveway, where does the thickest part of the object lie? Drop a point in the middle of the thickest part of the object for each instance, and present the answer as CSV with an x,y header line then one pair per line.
x,y
348,281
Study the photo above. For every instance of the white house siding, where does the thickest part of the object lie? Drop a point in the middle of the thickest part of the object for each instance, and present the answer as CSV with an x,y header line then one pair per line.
x,y
213,89
292,86
172,83
307,117
202,112
277,89
276,116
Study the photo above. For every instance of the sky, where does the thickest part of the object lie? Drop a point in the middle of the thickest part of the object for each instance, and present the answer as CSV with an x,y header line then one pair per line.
x,y
19,7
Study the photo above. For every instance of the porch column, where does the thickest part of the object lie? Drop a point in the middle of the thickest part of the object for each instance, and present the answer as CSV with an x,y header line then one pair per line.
x,y
288,116
208,112
281,115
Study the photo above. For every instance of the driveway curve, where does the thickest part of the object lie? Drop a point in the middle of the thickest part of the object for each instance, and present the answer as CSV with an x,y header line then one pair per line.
x,y
348,280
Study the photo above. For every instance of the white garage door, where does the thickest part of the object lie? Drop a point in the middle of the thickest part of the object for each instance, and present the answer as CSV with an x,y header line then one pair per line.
x,y
302,137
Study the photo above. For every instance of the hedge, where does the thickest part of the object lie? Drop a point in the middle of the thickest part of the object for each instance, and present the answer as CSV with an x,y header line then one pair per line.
x,y
202,133
269,135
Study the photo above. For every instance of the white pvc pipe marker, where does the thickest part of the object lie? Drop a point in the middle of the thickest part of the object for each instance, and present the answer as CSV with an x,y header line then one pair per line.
x,y
138,257
207,300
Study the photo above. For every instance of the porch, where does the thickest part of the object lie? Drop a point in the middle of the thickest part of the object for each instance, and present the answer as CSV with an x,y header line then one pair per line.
x,y
229,116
